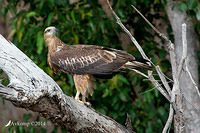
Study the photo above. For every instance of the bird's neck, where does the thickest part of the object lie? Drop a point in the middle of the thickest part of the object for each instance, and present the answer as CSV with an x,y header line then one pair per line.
x,y
53,43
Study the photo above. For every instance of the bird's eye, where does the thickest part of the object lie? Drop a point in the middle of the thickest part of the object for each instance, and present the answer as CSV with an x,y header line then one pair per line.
x,y
47,31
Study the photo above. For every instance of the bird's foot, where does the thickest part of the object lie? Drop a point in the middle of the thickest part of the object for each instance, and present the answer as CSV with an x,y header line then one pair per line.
x,y
87,104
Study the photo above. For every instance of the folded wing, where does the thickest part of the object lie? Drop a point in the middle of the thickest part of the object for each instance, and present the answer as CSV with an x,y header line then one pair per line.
x,y
81,59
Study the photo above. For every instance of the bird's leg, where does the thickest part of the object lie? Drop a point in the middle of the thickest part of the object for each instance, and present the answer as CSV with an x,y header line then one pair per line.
x,y
84,101
77,95
82,83
77,98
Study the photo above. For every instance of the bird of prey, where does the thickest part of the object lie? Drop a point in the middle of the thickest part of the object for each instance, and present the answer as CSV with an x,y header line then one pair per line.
x,y
86,62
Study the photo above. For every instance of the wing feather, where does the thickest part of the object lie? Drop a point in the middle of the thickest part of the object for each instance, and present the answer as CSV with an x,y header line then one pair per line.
x,y
82,59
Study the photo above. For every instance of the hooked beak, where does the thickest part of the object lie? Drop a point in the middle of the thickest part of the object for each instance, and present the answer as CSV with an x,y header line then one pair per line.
x,y
56,30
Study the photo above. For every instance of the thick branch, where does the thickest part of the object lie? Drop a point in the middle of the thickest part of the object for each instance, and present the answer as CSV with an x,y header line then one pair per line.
x,y
31,88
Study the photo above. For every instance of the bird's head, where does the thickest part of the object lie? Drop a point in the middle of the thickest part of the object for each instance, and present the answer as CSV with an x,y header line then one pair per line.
x,y
50,31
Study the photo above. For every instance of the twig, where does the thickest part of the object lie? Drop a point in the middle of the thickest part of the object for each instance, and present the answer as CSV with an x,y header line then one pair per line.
x,y
140,73
169,120
184,54
164,81
154,28
197,110
147,91
191,78
157,85
129,34
151,78
163,36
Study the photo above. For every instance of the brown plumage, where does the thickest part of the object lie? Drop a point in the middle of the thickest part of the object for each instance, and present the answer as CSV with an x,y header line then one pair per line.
x,y
85,62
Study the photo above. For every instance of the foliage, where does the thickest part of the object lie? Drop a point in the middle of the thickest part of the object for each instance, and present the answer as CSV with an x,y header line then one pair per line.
x,y
86,23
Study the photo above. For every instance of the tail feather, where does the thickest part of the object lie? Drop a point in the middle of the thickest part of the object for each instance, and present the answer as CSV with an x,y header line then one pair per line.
x,y
139,64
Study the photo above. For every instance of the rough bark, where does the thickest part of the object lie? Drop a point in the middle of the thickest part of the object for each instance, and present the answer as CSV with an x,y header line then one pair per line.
x,y
31,88
188,119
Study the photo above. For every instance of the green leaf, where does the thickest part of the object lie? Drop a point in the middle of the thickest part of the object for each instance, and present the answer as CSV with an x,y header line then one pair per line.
x,y
73,16
92,25
40,42
89,14
122,96
19,35
182,7
27,116
162,54
123,79
4,12
102,26
192,4
76,38
5,126
50,3
31,14
62,18
41,5
12,33
49,19
198,16
156,1
161,111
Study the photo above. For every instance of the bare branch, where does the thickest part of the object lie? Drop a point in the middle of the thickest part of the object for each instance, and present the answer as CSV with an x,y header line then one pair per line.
x,y
154,28
147,91
184,53
140,73
169,43
128,33
191,78
169,120
151,78
156,84
164,81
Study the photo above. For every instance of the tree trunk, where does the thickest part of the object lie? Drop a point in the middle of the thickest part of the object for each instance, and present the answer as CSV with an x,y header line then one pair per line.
x,y
32,89
189,118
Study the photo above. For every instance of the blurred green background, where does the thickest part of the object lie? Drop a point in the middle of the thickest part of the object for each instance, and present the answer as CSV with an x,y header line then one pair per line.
x,y
90,22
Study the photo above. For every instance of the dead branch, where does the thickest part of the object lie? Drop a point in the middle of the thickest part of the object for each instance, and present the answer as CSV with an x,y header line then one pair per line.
x,y
184,53
191,78
169,120
163,79
151,78
127,32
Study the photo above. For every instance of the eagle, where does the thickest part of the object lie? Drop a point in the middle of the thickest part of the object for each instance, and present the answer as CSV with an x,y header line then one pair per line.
x,y
87,62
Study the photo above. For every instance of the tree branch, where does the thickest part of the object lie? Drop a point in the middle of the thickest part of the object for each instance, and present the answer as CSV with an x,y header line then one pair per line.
x,y
31,88
169,120
184,53
191,78
127,32
150,76
164,81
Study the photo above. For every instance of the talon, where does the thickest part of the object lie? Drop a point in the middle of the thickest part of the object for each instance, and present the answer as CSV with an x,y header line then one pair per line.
x,y
87,104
